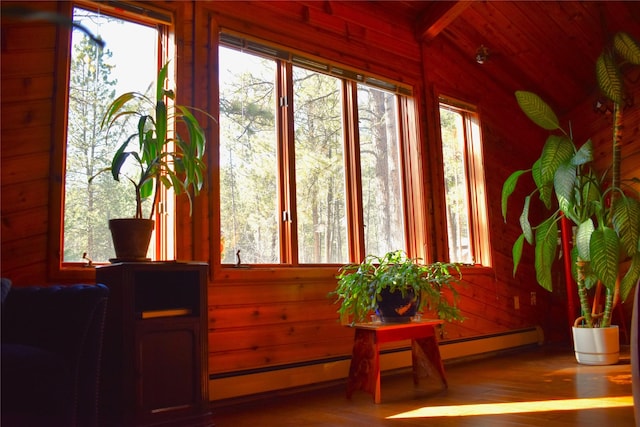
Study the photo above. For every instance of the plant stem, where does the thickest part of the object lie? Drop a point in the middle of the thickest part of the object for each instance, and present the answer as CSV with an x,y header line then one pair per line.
x,y
615,156
582,293
138,203
608,310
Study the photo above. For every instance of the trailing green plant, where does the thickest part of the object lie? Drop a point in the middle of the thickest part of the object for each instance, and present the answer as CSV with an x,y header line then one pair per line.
x,y
359,285
160,157
606,214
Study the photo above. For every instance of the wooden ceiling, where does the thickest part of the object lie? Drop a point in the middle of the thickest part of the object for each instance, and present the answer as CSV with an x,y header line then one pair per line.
x,y
549,47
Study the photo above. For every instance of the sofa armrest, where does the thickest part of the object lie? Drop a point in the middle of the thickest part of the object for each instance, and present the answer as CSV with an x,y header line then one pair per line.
x,y
67,322
56,318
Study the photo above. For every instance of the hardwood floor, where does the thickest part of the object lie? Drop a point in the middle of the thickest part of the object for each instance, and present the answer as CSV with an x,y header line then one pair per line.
x,y
535,387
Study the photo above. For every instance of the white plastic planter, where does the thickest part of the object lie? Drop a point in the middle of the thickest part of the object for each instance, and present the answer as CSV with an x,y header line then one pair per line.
x,y
596,346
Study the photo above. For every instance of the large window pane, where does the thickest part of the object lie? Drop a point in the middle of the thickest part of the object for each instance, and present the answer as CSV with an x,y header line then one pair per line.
x,y
380,168
319,160
456,185
248,159
128,62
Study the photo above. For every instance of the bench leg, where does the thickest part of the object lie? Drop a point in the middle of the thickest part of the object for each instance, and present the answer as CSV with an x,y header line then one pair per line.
x,y
425,356
364,371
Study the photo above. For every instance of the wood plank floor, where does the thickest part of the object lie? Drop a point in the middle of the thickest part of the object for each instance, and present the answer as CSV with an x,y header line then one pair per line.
x,y
534,387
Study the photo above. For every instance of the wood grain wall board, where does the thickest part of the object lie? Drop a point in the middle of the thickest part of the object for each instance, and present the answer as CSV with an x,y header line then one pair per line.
x,y
260,313
23,196
20,89
272,357
294,334
33,168
16,142
286,27
24,37
24,225
268,292
22,253
26,114
34,273
27,63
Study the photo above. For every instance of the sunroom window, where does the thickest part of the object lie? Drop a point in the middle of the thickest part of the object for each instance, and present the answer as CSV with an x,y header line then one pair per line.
x,y
288,167
466,211
128,62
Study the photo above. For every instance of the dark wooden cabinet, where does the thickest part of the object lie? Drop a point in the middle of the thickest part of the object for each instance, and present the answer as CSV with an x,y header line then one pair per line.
x,y
154,370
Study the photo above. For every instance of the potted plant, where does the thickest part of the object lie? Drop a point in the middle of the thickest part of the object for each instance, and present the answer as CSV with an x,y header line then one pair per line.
x,y
158,157
406,285
606,214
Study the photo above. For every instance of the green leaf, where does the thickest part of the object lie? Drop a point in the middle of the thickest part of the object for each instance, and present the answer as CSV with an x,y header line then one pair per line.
x,y
590,194
605,248
564,183
508,188
161,124
626,222
146,189
119,158
583,238
631,278
545,190
627,47
524,221
537,110
545,251
114,109
516,252
556,151
584,154
162,78
609,77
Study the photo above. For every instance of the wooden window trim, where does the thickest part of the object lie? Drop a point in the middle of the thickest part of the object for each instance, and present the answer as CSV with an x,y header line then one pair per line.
x,y
476,189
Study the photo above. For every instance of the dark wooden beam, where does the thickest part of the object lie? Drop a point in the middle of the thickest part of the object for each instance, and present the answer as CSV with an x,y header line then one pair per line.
x,y
437,16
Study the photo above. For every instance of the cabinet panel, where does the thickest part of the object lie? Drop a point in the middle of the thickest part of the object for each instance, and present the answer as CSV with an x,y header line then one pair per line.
x,y
168,367
155,365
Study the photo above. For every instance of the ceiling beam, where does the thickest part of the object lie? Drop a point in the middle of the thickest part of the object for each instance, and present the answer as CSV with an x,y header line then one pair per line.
x,y
437,17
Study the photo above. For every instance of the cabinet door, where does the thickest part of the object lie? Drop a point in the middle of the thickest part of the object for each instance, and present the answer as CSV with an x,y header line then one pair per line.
x,y
168,365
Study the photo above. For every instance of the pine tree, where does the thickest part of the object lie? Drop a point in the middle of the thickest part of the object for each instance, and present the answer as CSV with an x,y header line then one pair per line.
x,y
90,90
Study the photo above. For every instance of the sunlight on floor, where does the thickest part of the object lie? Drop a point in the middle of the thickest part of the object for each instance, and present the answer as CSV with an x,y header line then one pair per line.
x,y
517,407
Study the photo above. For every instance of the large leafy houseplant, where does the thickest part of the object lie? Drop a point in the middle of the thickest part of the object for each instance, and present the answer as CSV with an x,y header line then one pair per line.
x,y
360,285
159,157
605,211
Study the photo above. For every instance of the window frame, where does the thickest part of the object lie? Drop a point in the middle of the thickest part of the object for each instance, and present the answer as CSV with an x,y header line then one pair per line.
x,y
163,20
475,175
409,141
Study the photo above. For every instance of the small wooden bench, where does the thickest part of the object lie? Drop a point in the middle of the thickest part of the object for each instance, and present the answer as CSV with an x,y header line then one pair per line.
x,y
364,371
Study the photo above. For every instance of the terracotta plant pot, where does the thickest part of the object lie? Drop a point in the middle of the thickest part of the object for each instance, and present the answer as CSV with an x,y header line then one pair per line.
x,y
131,237
596,346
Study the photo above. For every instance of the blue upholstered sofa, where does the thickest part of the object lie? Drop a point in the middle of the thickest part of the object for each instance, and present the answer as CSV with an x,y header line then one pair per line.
x,y
51,349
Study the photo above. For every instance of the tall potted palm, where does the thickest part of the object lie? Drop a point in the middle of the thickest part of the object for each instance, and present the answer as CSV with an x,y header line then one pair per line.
x,y
604,210
157,157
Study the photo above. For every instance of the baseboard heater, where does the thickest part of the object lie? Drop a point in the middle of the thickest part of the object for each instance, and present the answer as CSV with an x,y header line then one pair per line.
x,y
256,381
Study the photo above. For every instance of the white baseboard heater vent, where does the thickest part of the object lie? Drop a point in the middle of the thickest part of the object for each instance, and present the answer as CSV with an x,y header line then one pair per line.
x,y
256,381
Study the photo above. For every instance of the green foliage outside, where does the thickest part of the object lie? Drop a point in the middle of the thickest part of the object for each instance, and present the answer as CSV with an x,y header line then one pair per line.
x,y
86,213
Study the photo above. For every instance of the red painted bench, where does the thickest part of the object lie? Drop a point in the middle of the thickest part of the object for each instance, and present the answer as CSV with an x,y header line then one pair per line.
x,y
364,372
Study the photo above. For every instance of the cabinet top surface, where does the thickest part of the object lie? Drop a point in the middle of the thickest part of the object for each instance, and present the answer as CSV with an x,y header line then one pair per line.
x,y
154,264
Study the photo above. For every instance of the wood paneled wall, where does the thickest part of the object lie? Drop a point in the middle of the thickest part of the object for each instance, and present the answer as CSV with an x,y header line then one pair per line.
x,y
270,318
265,318
28,74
